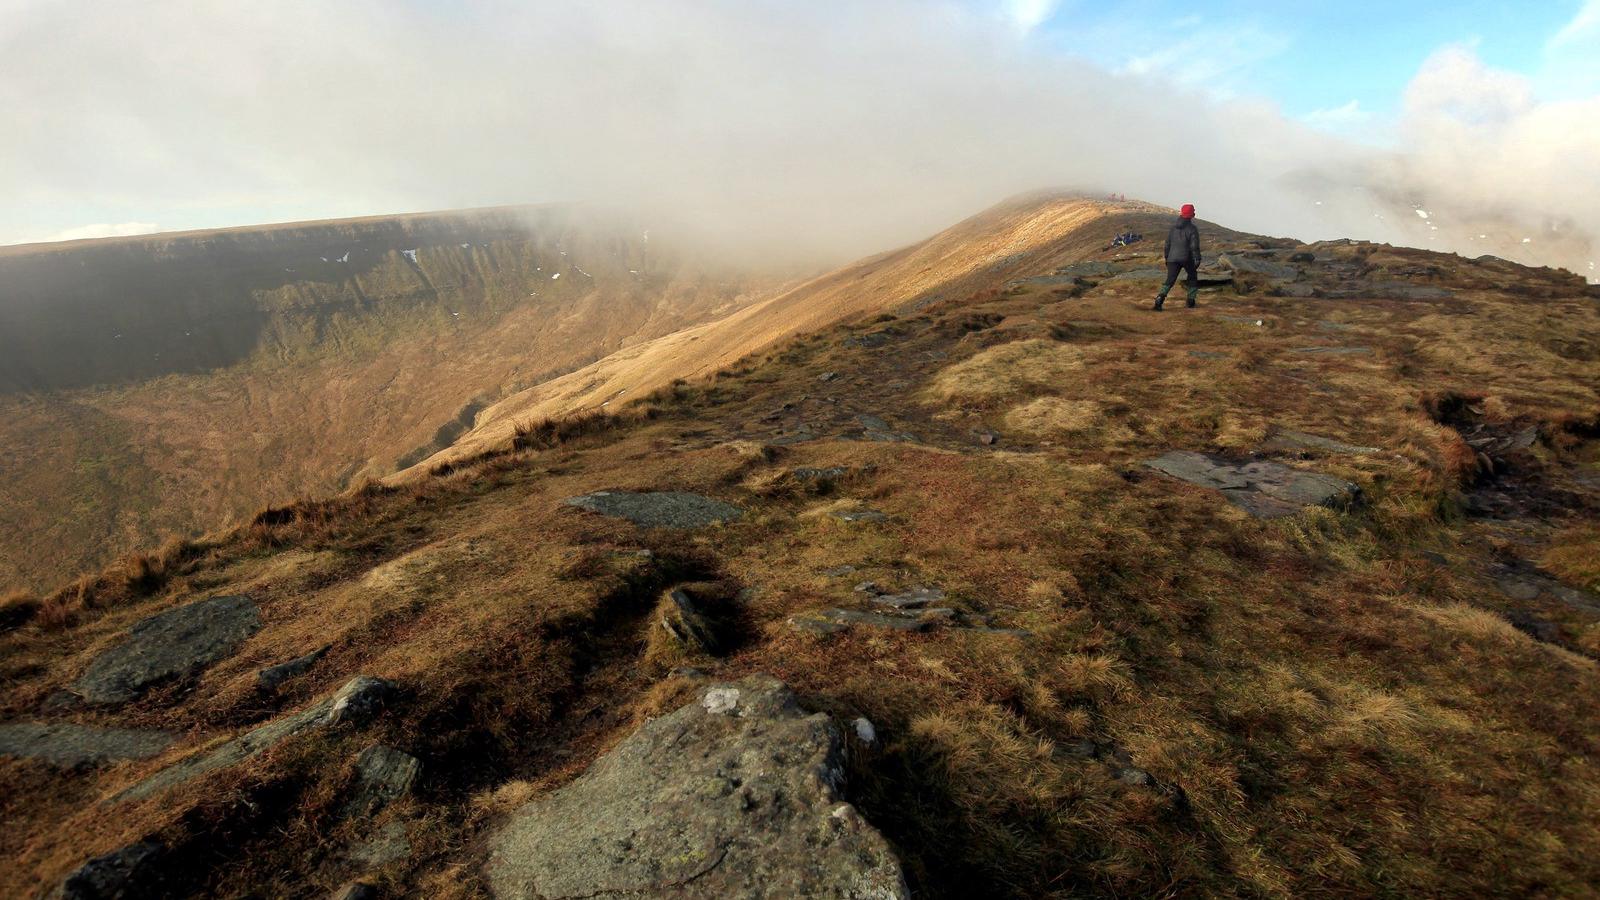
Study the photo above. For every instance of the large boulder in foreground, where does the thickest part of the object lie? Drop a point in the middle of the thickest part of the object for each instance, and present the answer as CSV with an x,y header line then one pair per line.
x,y
169,644
1265,489
735,795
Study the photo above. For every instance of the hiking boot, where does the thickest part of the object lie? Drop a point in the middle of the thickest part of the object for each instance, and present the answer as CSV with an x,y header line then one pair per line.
x,y
1194,294
1160,299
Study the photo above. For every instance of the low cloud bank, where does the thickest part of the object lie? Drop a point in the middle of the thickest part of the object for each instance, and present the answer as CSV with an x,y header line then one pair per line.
x,y
808,130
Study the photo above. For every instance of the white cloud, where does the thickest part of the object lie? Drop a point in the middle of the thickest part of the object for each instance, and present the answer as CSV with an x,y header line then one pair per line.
x,y
104,230
1584,25
1338,118
826,128
1030,14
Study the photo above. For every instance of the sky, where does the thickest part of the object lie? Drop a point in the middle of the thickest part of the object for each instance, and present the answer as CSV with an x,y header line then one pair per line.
x,y
831,128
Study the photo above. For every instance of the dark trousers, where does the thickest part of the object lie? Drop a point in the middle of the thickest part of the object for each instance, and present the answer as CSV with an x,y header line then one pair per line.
x,y
1173,268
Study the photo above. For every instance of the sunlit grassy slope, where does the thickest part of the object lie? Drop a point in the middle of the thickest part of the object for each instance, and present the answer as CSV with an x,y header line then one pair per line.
x,y
1343,702
159,386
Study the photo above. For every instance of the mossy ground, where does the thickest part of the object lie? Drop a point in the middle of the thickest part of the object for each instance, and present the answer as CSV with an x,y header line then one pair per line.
x,y
1329,704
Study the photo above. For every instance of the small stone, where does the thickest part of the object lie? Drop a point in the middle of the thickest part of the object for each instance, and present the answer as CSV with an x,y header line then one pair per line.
x,y
865,733
272,676
872,423
827,376
1133,776
861,515
687,625
988,438
868,587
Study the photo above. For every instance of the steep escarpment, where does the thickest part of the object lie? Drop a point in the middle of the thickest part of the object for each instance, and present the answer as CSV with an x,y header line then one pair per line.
x,y
159,385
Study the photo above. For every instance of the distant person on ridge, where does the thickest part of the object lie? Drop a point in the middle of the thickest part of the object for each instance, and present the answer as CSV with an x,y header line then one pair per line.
x,y
1182,253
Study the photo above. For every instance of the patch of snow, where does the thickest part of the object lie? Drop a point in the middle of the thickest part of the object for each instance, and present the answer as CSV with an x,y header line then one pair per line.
x,y
1527,240
1422,214
346,257
555,277
324,259
411,255
465,246
582,272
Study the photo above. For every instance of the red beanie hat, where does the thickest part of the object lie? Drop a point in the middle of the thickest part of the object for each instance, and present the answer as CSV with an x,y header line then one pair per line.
x,y
1188,211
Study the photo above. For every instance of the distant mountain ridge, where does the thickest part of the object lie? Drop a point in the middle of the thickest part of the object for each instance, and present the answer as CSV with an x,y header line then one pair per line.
x,y
163,383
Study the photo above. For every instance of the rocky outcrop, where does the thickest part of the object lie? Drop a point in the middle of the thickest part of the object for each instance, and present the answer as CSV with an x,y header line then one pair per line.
x,y
1265,489
70,746
355,702
735,795
169,644
659,509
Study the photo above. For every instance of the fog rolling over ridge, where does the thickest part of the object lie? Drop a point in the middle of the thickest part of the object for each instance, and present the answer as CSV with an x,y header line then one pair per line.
x,y
815,132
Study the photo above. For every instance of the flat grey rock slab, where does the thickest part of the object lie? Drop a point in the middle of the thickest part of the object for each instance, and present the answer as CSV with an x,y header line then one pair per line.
x,y
915,598
70,746
1265,489
1239,262
737,794
659,509
169,644
1207,354
355,702
1289,437
832,621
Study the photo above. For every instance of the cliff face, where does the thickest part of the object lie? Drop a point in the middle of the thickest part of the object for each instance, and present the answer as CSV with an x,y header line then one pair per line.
x,y
163,384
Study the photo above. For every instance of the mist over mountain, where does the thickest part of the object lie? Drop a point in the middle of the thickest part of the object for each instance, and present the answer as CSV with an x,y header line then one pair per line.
x,y
810,131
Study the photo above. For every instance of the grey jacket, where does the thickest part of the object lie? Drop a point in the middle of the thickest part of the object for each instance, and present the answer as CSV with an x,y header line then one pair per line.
x,y
1183,242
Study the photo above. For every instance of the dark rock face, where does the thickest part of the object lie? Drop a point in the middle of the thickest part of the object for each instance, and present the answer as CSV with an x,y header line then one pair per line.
x,y
355,702
736,795
169,644
1267,490
123,873
383,775
69,746
272,676
659,509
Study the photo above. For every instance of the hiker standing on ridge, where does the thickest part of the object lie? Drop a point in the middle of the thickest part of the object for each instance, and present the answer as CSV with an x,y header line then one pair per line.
x,y
1182,253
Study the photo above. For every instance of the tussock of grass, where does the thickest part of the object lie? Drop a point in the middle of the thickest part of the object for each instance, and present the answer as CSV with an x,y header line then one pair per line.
x,y
1008,370
1054,416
